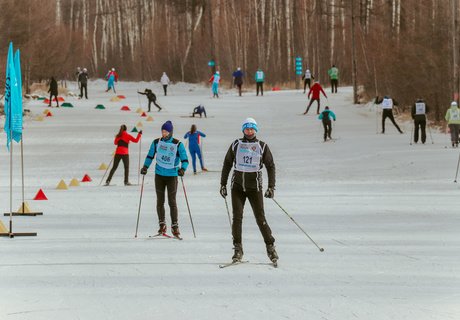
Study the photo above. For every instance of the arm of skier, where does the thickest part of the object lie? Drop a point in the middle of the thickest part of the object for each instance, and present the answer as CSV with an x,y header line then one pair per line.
x,y
227,166
267,158
202,134
136,140
151,154
183,157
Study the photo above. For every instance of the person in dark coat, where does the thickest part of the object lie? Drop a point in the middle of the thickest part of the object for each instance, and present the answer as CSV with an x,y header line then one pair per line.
x,y
151,97
53,90
83,80
238,79
418,112
387,107
247,156
199,110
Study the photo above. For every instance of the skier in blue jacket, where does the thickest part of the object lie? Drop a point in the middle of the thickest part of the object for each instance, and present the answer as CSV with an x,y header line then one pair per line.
x,y
326,117
193,137
171,161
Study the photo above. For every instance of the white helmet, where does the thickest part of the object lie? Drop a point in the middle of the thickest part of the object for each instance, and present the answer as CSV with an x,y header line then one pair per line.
x,y
113,69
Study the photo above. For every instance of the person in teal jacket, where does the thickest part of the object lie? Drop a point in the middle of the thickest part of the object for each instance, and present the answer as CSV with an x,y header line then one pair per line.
x,y
326,116
171,161
260,78
453,120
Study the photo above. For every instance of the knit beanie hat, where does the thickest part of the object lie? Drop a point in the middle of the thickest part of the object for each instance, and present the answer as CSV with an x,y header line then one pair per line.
x,y
250,123
168,126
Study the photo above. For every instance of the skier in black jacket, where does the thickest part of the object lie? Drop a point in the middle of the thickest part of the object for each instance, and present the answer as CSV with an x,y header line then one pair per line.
x,y
247,156
53,90
418,112
151,97
83,80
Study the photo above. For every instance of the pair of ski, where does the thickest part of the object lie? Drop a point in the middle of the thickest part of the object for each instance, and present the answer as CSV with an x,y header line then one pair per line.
x,y
165,235
274,263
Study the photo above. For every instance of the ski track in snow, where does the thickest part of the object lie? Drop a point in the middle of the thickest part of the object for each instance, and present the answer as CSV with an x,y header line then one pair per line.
x,y
386,213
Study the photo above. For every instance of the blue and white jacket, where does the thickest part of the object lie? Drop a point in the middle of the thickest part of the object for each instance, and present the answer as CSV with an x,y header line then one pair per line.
x,y
181,160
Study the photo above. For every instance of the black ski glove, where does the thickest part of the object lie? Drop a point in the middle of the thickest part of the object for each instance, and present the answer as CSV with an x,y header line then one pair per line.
x,y
144,170
140,132
270,193
181,172
223,191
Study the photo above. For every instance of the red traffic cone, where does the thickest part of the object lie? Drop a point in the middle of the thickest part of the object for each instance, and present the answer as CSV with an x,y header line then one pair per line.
x,y
49,114
40,195
143,114
86,178
125,108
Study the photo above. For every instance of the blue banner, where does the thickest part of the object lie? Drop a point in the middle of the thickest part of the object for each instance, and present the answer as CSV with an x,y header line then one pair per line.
x,y
13,98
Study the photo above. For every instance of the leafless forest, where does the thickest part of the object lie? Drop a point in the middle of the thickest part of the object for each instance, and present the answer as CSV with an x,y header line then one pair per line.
x,y
407,49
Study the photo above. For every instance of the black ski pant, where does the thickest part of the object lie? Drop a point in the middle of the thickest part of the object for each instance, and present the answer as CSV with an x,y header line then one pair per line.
x,y
161,184
419,122
84,86
327,125
305,83
256,200
454,131
388,113
155,103
165,88
116,162
239,89
51,99
311,102
334,84
260,86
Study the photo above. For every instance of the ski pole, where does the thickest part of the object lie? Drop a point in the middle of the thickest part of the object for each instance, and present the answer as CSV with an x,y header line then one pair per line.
x,y
228,213
458,163
320,249
139,164
188,207
108,167
140,202
411,132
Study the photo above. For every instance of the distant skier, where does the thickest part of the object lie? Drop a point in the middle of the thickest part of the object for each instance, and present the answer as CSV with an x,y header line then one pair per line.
x,y
194,137
306,80
112,77
334,77
77,74
83,80
326,116
453,120
314,92
247,156
165,82
238,79
53,90
199,110
418,112
122,140
151,97
387,107
260,78
215,79
171,161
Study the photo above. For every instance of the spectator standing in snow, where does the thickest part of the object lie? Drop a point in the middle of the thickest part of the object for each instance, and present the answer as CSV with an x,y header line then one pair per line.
x,y
247,156
83,80
171,161
77,75
238,79
453,120
260,78
314,92
334,78
122,140
215,79
194,137
165,82
326,116
387,107
418,112
53,90
199,110
306,80
151,97
112,77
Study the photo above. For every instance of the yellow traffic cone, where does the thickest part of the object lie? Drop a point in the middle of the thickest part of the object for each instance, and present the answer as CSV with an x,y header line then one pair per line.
x,y
103,166
139,125
62,186
150,118
139,110
74,183
3,228
24,208
38,118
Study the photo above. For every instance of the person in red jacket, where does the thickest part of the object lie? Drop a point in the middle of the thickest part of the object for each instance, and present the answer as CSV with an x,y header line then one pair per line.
x,y
122,140
315,91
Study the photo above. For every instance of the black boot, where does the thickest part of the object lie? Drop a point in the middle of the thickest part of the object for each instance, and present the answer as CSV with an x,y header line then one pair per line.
x,y
175,230
271,252
238,255
162,228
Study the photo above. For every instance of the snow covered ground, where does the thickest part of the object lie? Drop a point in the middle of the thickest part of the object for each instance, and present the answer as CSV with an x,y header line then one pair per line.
x,y
386,213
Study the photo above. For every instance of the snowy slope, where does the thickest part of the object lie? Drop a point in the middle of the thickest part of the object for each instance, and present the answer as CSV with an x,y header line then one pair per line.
x,y
385,212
